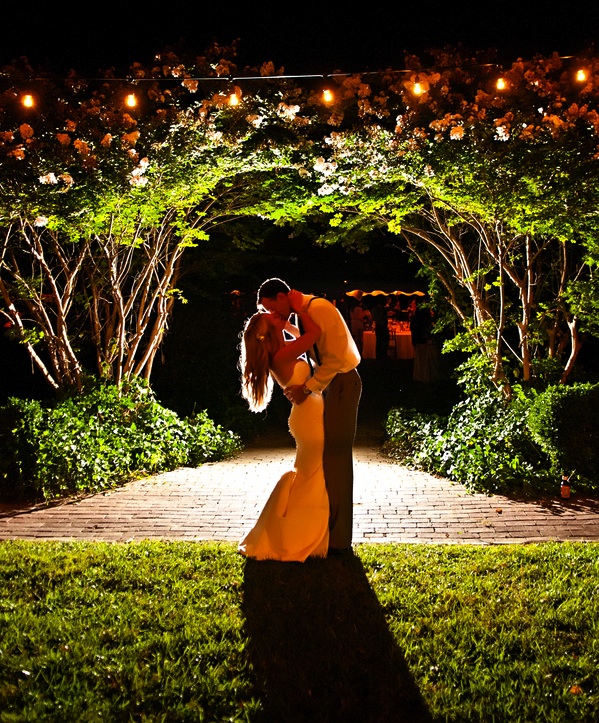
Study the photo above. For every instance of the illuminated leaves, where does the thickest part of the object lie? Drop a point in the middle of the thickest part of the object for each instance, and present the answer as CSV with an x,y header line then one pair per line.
x,y
492,186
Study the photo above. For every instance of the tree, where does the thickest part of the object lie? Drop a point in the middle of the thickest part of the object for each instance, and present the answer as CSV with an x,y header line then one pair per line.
x,y
493,191
98,203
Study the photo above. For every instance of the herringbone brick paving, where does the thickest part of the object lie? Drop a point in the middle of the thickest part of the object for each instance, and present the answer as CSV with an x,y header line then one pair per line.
x,y
220,501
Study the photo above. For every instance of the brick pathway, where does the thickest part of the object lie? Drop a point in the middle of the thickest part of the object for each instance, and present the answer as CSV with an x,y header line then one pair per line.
x,y
220,501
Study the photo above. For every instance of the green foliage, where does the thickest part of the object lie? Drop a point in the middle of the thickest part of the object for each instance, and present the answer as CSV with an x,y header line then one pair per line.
x,y
486,446
493,192
408,431
206,441
583,297
96,440
492,443
99,202
484,443
20,422
564,421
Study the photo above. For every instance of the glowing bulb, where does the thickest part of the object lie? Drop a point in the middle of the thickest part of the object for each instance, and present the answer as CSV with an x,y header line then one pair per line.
x,y
28,101
327,95
131,100
234,99
501,84
417,89
581,75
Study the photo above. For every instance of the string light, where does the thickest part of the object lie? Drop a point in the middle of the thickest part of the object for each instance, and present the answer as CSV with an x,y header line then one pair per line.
x,y
234,99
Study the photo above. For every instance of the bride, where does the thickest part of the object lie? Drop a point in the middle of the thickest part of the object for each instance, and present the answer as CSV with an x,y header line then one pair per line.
x,y
294,523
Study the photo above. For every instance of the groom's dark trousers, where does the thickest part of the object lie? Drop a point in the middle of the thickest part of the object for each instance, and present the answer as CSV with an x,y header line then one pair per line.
x,y
341,399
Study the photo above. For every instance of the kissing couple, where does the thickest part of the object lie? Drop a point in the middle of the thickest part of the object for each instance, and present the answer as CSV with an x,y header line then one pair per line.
x,y
314,361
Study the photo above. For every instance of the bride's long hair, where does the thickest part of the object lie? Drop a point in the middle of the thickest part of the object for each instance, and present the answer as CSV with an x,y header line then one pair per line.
x,y
259,341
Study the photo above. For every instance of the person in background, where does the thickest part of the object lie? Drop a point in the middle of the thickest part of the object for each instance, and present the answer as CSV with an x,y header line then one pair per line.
x,y
426,353
357,324
381,329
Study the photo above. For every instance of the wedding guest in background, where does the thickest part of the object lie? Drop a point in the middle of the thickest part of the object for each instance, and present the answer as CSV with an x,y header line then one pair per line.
x,y
381,328
357,324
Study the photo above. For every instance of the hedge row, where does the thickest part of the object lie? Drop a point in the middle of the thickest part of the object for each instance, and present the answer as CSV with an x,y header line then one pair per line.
x,y
97,440
494,445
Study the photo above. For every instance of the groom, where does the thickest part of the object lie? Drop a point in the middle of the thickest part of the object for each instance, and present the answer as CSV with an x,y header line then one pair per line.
x,y
335,357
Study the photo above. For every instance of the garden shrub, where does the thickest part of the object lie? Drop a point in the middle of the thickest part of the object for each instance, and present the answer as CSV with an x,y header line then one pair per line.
x,y
564,420
208,442
93,441
492,444
408,430
484,444
20,422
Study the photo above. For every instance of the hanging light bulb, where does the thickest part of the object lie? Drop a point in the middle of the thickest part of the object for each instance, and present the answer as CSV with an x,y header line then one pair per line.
x,y
417,89
28,101
327,95
131,100
501,84
581,75
234,99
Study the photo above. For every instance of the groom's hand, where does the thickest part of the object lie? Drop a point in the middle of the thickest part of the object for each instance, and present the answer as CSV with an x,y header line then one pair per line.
x,y
295,393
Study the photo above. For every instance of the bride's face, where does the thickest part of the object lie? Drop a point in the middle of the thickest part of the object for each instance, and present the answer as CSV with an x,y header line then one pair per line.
x,y
276,322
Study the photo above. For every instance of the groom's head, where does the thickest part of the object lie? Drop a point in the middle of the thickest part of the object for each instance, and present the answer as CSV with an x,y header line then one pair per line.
x,y
272,297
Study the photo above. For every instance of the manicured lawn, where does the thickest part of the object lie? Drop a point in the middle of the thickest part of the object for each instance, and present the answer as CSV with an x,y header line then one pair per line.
x,y
193,632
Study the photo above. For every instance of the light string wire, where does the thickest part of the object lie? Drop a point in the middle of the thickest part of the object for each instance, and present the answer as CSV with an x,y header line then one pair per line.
x,y
261,78
180,79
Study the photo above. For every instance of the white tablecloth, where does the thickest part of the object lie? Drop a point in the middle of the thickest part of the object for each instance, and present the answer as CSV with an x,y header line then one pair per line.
x,y
400,344
369,345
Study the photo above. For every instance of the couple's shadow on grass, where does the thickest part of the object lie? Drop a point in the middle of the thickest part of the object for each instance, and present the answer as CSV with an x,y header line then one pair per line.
x,y
320,646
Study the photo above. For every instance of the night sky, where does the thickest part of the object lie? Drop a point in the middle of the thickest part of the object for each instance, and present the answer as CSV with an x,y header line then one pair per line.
x,y
303,37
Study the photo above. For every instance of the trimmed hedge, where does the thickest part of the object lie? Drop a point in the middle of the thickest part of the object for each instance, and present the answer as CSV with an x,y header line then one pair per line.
x,y
493,445
564,421
99,439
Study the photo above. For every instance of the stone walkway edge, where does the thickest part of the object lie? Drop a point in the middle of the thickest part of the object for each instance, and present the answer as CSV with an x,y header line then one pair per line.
x,y
220,502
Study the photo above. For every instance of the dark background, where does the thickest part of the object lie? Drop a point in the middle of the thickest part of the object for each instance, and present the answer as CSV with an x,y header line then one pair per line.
x,y
304,37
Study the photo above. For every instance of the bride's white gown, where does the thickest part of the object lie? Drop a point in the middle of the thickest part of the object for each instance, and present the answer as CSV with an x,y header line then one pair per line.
x,y
294,523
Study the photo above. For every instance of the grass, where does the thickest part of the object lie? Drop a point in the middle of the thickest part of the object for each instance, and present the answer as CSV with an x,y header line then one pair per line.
x,y
193,632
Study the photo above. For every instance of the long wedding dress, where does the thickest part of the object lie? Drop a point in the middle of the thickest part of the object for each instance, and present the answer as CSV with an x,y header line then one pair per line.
x,y
294,523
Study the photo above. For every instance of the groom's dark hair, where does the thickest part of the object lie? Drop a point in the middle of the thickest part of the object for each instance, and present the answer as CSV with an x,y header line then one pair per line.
x,y
270,288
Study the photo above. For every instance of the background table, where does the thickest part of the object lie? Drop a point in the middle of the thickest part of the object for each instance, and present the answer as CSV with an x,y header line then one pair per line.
x,y
400,342
403,342
369,345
